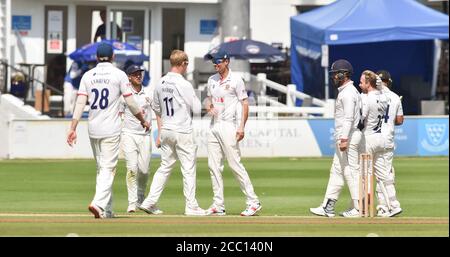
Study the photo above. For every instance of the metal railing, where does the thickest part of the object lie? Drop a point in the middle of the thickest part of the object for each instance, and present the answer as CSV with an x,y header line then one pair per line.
x,y
30,80
315,106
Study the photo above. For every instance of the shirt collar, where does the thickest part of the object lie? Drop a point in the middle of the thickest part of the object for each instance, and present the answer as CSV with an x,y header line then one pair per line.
x,y
104,64
345,85
226,78
174,74
136,92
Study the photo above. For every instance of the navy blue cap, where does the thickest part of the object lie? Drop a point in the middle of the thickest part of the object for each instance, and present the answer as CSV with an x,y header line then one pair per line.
x,y
104,50
217,55
133,68
341,65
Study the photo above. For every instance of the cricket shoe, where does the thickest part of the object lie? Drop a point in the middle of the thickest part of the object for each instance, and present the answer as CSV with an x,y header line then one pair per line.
x,y
131,208
395,211
152,209
251,209
215,211
351,213
197,211
382,211
327,211
97,211
320,211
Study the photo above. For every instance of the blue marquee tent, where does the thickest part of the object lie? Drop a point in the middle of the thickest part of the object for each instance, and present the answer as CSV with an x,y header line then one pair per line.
x,y
398,36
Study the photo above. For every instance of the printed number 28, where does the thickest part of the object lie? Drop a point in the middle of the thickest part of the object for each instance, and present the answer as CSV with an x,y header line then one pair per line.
x,y
103,102
169,109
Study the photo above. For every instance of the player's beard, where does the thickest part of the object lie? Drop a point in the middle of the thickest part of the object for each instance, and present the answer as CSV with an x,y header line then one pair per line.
x,y
338,82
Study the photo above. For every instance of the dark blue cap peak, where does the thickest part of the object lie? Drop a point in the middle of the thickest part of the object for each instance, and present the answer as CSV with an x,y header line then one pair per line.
x,y
133,68
217,55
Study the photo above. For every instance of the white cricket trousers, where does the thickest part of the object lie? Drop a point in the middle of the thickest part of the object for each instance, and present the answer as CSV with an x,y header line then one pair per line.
x,y
345,168
222,144
106,154
175,146
382,160
137,150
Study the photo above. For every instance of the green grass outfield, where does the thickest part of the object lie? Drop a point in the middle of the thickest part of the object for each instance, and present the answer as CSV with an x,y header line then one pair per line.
x,y
50,198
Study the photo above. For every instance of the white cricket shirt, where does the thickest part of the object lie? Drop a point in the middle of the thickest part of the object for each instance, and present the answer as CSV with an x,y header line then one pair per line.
x,y
103,86
143,99
226,95
174,99
346,111
394,109
374,108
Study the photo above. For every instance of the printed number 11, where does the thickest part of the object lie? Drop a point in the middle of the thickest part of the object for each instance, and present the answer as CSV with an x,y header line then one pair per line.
x,y
169,101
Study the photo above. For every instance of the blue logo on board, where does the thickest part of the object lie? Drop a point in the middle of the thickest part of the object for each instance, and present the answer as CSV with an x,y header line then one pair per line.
x,y
435,140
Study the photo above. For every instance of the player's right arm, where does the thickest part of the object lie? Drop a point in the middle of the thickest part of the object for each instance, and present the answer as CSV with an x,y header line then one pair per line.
x,y
82,98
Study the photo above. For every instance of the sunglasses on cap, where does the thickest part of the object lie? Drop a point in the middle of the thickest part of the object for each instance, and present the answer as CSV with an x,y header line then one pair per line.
x,y
217,61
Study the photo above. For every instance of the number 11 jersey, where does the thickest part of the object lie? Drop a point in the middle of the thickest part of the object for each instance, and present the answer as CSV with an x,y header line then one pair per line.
x,y
174,100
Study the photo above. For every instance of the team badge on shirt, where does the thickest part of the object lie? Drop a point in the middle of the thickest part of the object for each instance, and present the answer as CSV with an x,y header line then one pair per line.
x,y
227,86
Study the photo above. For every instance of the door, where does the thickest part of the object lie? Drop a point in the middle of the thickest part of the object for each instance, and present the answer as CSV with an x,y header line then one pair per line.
x,y
55,45
129,26
173,33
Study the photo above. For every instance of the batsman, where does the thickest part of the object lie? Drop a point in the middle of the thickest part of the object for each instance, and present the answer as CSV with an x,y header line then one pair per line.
x,y
347,135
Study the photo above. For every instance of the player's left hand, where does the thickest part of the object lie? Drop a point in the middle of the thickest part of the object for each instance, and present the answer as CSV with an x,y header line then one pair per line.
x,y
239,134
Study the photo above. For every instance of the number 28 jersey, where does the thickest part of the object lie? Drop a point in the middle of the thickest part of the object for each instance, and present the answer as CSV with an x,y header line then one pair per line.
x,y
103,85
174,99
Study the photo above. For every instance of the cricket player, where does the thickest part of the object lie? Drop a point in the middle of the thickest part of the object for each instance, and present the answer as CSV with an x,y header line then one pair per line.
x,y
226,90
374,113
174,100
347,135
102,86
389,205
136,141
